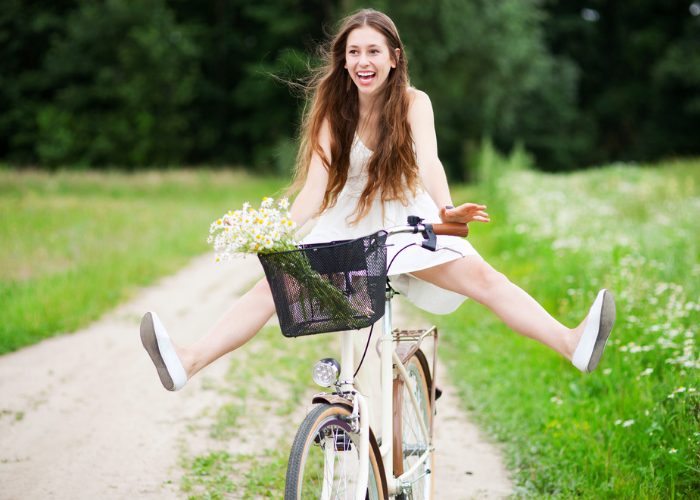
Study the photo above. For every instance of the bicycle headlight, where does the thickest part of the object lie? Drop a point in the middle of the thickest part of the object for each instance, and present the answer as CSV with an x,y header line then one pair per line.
x,y
326,372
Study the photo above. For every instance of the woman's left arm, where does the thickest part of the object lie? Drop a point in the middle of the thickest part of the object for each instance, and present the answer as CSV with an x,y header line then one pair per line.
x,y
432,173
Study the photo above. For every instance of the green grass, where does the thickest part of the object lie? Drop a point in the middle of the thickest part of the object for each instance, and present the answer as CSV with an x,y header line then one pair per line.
x,y
226,471
217,475
631,429
211,472
75,244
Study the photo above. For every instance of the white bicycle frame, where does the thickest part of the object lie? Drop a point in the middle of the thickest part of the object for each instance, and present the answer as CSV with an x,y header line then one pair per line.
x,y
388,359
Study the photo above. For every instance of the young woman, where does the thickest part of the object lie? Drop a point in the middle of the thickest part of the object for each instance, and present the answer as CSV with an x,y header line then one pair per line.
x,y
368,158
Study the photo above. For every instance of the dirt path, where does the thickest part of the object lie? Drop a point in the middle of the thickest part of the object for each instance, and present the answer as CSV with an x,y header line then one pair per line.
x,y
84,416
467,465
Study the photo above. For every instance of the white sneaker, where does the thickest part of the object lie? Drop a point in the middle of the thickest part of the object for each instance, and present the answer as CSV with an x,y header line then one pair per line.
x,y
155,339
598,326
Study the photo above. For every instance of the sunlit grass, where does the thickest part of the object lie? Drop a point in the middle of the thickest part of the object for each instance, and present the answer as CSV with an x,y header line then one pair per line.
x,y
270,383
631,429
75,244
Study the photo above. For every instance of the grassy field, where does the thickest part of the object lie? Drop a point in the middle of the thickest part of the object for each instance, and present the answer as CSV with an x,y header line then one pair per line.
x,y
631,429
254,414
75,244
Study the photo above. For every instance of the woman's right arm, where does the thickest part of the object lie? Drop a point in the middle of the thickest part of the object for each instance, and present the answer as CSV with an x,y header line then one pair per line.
x,y
310,198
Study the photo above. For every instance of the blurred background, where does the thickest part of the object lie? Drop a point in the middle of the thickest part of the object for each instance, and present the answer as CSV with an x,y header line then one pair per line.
x,y
151,83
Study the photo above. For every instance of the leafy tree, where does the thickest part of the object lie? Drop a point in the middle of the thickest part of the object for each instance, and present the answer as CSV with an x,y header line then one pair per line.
x,y
244,109
489,73
674,120
640,82
26,31
124,72
164,82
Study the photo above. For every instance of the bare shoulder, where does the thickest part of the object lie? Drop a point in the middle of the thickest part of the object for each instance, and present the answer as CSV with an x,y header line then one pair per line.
x,y
324,134
418,102
325,130
421,121
415,94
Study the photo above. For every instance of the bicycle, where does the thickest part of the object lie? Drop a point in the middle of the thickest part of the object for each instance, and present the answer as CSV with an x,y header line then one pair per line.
x,y
335,453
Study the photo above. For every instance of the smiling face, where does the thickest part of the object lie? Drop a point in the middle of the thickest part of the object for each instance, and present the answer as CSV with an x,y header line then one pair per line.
x,y
368,59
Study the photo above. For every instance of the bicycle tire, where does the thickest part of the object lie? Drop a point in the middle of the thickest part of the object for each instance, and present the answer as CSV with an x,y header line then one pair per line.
x,y
407,434
324,447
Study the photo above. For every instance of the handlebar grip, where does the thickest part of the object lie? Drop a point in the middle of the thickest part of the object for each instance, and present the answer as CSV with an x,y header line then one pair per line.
x,y
451,229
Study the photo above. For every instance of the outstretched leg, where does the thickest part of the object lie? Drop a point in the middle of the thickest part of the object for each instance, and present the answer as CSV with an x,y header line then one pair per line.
x,y
175,365
237,326
475,278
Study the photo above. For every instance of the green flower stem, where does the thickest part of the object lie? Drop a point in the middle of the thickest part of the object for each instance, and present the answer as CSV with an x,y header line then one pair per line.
x,y
332,299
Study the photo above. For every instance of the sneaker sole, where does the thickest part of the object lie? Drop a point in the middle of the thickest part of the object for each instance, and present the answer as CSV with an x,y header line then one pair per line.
x,y
150,343
607,320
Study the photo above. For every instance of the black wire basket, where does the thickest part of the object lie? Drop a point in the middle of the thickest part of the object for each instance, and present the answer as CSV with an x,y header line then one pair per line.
x,y
328,287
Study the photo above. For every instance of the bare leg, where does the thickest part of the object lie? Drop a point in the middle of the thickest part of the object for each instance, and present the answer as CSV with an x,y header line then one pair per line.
x,y
475,278
237,326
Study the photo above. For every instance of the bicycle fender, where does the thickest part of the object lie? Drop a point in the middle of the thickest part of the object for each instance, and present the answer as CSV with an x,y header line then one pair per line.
x,y
336,399
331,399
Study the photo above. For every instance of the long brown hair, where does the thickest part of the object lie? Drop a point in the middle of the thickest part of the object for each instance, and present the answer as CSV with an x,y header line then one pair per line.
x,y
392,168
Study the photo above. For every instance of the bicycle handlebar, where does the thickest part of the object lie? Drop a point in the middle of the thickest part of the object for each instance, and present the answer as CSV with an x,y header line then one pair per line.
x,y
452,229
429,231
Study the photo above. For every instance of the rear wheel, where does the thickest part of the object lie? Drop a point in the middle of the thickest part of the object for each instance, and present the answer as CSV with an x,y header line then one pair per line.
x,y
324,461
409,436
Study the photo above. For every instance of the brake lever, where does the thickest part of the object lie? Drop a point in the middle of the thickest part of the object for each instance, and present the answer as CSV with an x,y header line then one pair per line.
x,y
430,240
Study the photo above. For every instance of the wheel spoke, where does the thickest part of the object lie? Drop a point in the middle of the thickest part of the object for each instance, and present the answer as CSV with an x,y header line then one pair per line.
x,y
324,462
414,442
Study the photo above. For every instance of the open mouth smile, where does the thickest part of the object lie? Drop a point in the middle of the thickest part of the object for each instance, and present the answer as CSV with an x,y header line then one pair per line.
x,y
366,77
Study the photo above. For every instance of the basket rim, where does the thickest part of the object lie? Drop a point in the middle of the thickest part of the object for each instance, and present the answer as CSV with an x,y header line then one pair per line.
x,y
307,246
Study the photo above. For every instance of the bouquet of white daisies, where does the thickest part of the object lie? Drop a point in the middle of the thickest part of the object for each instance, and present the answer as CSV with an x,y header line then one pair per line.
x,y
270,229
267,229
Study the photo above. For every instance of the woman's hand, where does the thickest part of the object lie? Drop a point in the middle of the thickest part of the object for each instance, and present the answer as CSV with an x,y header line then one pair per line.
x,y
465,213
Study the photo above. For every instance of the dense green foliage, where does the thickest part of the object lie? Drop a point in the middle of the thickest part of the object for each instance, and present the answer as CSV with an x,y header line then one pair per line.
x,y
630,429
123,75
160,82
639,85
489,73
97,237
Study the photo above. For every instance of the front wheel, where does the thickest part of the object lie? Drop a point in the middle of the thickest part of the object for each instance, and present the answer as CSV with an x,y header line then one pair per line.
x,y
324,461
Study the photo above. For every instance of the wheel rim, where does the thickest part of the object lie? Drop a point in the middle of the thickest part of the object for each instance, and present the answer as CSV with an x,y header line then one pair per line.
x,y
332,463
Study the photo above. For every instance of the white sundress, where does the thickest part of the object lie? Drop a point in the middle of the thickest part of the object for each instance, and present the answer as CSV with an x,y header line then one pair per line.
x,y
335,224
